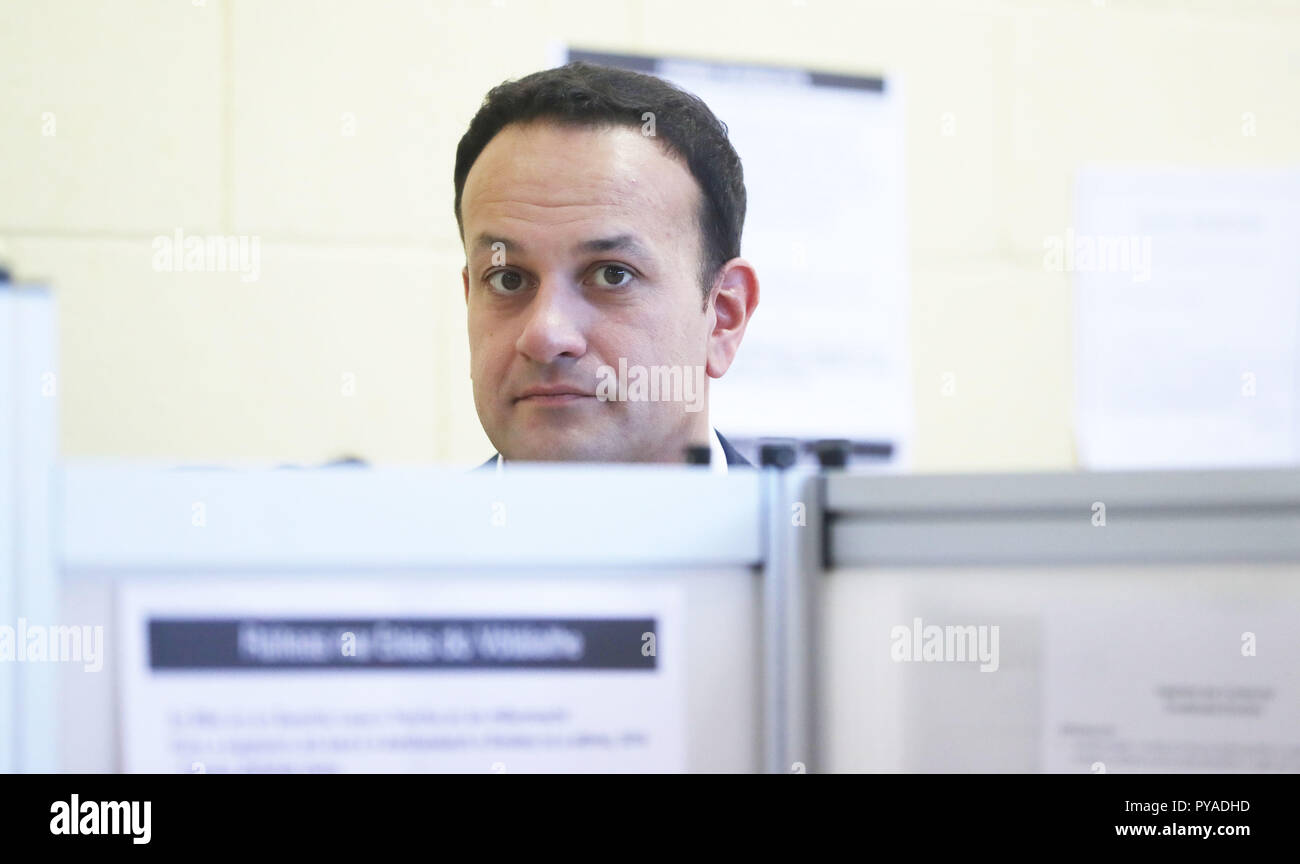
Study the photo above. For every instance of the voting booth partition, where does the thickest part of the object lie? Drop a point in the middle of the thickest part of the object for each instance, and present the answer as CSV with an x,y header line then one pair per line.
x,y
673,619
1090,623
562,619
28,443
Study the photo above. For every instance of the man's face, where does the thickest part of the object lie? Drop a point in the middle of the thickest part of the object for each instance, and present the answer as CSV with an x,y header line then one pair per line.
x,y
582,248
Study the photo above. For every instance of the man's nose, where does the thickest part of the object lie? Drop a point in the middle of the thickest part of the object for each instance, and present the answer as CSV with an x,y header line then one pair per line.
x,y
554,326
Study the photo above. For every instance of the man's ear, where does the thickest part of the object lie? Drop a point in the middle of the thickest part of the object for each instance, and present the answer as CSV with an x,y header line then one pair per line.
x,y
733,300
464,277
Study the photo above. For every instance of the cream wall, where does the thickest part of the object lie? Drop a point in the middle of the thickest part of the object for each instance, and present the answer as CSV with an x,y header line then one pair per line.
x,y
231,117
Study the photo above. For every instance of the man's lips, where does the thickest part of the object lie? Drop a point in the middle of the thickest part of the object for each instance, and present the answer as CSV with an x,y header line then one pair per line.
x,y
557,399
552,396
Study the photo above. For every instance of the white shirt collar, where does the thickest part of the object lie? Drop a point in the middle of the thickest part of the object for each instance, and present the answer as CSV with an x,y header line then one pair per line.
x,y
717,457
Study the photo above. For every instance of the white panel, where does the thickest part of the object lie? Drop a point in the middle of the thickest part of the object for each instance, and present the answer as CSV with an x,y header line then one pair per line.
x,y
36,396
9,531
648,515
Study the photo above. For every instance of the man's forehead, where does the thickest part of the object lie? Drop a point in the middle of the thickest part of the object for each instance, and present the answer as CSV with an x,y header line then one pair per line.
x,y
552,173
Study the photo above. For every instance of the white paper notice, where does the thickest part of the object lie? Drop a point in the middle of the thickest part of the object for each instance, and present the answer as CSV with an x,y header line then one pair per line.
x,y
1187,299
441,674
1172,688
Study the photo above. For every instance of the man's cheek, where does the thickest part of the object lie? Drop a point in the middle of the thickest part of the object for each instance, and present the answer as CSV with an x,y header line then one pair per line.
x,y
480,361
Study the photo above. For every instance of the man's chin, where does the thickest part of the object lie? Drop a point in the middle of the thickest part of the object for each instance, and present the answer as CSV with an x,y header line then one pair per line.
x,y
568,448
572,453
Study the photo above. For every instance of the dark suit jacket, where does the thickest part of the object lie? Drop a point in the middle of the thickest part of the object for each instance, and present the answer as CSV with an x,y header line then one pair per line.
x,y
733,456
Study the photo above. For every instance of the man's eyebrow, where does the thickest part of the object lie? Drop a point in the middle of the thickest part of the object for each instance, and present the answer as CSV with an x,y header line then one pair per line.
x,y
618,243
487,243
629,243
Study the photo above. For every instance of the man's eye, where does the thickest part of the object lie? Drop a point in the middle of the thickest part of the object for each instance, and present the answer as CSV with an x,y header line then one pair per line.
x,y
506,281
613,276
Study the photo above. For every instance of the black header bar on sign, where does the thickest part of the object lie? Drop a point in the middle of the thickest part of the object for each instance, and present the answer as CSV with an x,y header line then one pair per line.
x,y
406,643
